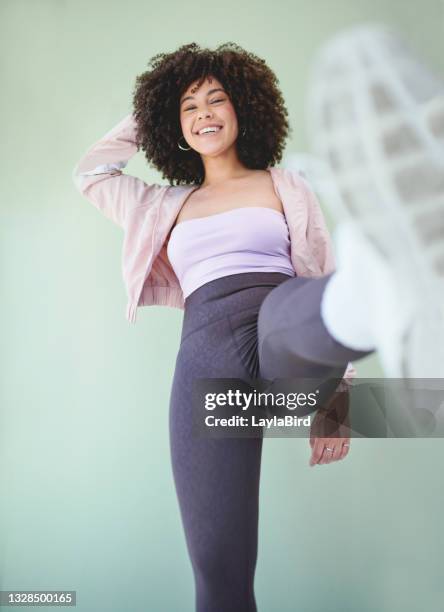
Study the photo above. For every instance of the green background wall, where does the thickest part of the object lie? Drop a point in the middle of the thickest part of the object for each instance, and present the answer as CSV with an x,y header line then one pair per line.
x,y
88,500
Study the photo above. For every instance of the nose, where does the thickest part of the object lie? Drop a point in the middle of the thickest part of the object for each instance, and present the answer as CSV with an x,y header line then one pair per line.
x,y
206,113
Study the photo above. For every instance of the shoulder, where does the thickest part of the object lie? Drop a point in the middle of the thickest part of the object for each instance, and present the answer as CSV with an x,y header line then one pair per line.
x,y
293,177
178,190
290,174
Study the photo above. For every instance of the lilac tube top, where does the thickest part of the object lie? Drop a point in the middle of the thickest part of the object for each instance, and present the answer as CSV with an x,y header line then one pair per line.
x,y
247,239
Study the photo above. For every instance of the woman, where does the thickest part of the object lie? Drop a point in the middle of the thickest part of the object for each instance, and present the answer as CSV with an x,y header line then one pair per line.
x,y
234,242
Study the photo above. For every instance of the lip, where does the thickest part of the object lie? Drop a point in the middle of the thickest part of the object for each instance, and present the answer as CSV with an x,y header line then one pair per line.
x,y
211,125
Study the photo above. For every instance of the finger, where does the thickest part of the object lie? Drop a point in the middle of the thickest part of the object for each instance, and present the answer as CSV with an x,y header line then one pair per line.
x,y
316,454
328,454
324,456
337,450
345,449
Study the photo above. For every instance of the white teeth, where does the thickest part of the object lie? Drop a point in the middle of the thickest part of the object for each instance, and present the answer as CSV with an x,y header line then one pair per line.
x,y
209,129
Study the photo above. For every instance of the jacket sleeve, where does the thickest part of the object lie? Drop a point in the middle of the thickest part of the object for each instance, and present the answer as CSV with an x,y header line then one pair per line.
x,y
98,175
319,237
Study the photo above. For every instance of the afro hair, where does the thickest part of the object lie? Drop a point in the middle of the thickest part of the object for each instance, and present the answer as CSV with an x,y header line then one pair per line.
x,y
253,90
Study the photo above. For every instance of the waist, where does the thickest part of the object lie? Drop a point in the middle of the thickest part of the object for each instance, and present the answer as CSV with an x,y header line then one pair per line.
x,y
225,295
229,264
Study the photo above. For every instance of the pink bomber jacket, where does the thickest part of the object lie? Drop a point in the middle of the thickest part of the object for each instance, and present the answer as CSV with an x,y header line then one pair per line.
x,y
147,212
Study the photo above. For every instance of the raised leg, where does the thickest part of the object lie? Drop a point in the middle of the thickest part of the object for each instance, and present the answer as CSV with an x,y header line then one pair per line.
x,y
293,341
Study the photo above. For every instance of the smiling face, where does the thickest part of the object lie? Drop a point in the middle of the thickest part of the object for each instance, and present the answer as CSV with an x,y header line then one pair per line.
x,y
203,106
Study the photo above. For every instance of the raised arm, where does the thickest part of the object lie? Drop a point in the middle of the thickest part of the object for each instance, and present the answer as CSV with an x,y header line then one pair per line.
x,y
98,175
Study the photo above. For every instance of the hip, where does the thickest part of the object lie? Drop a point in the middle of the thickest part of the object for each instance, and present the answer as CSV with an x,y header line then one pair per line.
x,y
219,332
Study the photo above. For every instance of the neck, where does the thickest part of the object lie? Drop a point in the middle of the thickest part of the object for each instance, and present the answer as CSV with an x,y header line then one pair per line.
x,y
223,168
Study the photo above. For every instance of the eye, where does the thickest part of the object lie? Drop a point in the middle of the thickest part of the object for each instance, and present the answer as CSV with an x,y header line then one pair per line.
x,y
212,102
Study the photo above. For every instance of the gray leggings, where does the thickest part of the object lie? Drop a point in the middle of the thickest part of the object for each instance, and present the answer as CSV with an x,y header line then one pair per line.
x,y
247,325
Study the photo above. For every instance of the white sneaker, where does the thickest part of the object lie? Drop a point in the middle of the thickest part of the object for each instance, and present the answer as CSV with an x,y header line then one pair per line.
x,y
375,115
391,305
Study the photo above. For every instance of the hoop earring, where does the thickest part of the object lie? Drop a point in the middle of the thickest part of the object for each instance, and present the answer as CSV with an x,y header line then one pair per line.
x,y
182,148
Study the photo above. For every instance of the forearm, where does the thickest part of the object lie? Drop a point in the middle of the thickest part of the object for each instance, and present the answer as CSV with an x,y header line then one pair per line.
x,y
110,153
98,175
